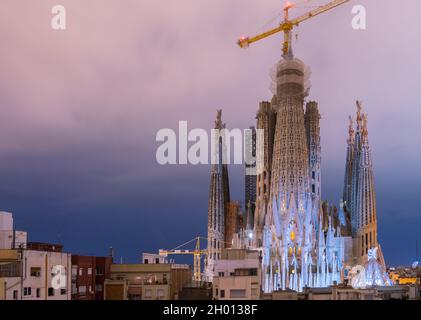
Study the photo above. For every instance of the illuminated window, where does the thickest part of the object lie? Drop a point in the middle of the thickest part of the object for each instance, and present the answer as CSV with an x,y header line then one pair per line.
x,y
292,235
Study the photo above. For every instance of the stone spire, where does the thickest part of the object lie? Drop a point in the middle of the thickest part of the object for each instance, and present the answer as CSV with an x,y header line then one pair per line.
x,y
218,199
366,197
347,192
266,121
353,207
359,187
312,123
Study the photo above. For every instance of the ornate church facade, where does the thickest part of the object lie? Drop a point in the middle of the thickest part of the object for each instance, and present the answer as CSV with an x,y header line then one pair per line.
x,y
303,241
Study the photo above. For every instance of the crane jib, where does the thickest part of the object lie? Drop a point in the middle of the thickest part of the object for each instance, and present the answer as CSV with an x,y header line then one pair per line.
x,y
287,25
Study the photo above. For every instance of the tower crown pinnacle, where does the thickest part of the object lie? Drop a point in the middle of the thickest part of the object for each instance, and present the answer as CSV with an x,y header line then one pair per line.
x,y
359,114
365,127
351,130
218,122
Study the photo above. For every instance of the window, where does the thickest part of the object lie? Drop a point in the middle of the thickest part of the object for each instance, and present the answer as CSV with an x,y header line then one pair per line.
x,y
237,293
146,261
216,292
157,260
292,235
82,290
148,293
27,291
220,274
35,272
63,291
80,271
99,270
160,294
15,294
222,293
50,292
253,272
254,292
89,271
38,292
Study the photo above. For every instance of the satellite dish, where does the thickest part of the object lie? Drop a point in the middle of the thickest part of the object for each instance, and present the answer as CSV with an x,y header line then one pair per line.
x,y
415,264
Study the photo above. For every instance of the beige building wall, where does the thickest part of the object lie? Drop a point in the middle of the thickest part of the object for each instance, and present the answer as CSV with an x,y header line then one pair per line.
x,y
146,281
28,274
2,289
115,290
156,292
237,275
237,288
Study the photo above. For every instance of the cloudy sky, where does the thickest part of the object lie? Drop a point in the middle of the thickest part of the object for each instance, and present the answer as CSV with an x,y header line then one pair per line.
x,y
80,108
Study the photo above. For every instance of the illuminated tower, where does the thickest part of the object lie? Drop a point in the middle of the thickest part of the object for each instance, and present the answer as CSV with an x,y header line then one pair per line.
x,y
301,247
290,167
218,199
290,234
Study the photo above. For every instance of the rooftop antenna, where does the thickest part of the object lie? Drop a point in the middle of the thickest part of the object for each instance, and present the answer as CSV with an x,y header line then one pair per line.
x,y
111,253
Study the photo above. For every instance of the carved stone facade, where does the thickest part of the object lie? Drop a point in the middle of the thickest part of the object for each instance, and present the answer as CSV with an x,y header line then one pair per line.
x,y
301,244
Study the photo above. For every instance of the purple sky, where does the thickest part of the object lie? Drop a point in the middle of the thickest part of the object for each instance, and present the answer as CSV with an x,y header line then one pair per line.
x,y
80,108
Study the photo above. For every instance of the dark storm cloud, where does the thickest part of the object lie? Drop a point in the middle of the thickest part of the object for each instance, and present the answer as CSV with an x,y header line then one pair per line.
x,y
80,108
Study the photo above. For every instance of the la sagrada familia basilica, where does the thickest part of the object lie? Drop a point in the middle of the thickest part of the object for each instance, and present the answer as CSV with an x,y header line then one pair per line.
x,y
303,241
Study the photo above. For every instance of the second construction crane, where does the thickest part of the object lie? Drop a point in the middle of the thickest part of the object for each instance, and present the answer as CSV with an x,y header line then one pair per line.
x,y
197,255
287,26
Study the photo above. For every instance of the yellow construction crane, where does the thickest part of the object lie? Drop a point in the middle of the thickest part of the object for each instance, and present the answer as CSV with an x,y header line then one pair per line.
x,y
197,255
287,25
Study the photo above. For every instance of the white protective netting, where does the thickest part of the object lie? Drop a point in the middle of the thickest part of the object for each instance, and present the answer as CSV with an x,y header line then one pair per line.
x,y
290,71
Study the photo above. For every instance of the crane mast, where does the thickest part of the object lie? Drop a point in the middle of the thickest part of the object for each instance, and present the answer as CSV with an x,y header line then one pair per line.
x,y
287,25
